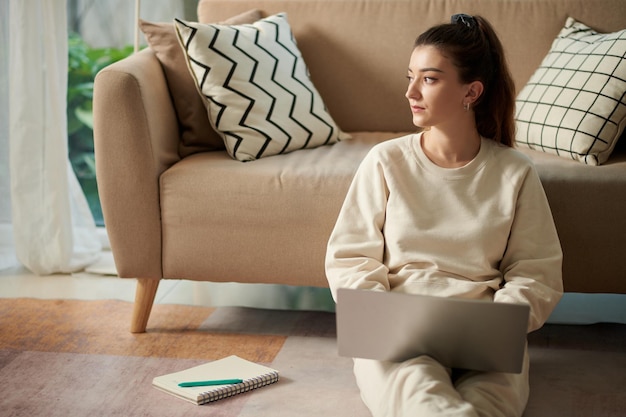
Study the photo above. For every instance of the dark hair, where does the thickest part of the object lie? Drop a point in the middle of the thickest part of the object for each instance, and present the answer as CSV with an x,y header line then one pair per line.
x,y
472,45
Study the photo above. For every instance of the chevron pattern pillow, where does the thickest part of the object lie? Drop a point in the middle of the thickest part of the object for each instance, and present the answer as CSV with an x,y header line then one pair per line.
x,y
574,105
194,123
258,93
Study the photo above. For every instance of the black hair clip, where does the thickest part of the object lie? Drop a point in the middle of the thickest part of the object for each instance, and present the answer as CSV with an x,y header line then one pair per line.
x,y
464,19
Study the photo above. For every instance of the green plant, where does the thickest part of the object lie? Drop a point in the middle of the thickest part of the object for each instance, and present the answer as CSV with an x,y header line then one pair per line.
x,y
83,64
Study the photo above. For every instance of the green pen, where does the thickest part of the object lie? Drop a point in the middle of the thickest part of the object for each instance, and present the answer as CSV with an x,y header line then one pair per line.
x,y
212,382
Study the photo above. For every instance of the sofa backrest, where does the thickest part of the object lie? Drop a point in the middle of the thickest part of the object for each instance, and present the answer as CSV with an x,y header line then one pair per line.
x,y
357,50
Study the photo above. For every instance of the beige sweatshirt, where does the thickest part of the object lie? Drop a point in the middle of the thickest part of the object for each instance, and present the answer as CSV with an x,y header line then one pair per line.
x,y
482,231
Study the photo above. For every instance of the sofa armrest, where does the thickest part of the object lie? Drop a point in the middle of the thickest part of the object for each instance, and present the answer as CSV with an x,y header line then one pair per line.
x,y
135,138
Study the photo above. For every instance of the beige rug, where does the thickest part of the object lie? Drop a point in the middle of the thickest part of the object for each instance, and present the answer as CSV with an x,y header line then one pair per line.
x,y
77,358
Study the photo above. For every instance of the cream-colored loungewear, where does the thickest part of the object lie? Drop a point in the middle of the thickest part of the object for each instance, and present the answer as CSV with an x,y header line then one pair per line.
x,y
482,231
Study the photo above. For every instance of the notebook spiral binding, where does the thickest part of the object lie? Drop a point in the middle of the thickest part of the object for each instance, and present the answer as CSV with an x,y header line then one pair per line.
x,y
230,390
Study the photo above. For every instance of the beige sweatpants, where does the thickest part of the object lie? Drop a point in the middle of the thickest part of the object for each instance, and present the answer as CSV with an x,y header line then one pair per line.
x,y
422,387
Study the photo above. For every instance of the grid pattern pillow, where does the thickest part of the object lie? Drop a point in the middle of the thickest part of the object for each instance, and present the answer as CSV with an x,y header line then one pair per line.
x,y
574,105
260,98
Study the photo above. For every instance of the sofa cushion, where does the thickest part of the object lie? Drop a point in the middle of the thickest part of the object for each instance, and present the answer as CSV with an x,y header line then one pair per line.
x,y
195,127
587,204
259,94
272,216
575,105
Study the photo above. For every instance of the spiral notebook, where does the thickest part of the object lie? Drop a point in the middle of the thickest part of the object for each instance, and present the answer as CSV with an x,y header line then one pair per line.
x,y
253,376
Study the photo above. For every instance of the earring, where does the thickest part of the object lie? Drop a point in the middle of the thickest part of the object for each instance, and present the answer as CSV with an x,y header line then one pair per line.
x,y
466,106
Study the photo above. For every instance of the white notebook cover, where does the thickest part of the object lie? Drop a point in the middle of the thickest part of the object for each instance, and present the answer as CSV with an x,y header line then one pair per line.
x,y
253,374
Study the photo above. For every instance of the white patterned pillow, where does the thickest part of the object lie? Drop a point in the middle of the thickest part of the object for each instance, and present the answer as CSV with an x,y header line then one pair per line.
x,y
258,93
575,103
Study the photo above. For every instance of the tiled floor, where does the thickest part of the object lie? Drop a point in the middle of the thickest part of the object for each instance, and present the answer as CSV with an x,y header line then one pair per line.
x,y
100,282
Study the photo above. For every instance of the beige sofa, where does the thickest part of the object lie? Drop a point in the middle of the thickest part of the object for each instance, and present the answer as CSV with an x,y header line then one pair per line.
x,y
184,210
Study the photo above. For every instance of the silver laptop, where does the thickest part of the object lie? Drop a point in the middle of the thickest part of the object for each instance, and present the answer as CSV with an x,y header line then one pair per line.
x,y
467,334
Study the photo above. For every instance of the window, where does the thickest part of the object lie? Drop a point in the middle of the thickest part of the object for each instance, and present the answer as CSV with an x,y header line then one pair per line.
x,y
84,63
100,33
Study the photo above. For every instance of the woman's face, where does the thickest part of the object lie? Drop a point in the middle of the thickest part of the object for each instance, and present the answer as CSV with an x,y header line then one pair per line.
x,y
435,92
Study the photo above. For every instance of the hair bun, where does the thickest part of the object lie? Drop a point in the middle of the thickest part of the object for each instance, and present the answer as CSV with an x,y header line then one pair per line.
x,y
464,19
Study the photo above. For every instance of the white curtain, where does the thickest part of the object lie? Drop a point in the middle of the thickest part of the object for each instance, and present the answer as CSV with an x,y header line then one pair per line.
x,y
7,254
52,227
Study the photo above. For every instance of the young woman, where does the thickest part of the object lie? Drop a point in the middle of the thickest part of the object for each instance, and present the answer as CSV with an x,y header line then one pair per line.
x,y
453,211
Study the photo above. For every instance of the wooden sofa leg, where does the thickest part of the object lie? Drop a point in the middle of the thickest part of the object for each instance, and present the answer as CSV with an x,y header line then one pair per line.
x,y
144,299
